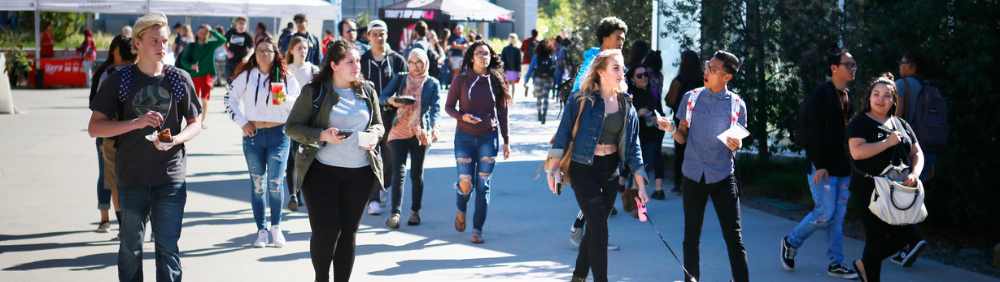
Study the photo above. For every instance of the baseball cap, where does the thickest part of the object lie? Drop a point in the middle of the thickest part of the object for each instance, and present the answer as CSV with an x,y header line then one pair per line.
x,y
377,24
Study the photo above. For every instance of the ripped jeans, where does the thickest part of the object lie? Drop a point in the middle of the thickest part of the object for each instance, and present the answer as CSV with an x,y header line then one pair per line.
x,y
831,204
476,157
267,153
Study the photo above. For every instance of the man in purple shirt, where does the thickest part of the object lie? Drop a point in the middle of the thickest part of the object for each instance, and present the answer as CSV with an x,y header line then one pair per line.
x,y
708,164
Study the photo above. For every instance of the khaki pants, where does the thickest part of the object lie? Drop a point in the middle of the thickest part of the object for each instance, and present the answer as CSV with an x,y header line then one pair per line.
x,y
110,181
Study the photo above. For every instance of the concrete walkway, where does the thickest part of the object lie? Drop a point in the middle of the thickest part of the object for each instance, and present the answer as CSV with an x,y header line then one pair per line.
x,y
48,173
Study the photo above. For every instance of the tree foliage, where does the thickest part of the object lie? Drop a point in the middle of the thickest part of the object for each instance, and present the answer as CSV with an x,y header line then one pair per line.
x,y
64,24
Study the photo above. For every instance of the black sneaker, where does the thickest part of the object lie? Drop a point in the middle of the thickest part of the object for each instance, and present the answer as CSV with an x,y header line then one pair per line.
x,y
293,203
898,258
910,257
614,211
675,191
658,194
840,270
788,254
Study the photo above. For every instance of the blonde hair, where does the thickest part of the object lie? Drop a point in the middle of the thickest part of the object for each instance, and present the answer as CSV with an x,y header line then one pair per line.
x,y
513,39
146,23
592,80
187,32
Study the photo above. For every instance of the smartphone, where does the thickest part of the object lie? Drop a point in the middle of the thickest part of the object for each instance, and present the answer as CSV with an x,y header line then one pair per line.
x,y
475,118
559,182
345,132
642,209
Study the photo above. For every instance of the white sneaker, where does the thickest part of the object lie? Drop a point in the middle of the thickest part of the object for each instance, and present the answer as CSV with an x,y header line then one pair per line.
x,y
383,196
374,208
277,237
104,227
612,247
261,239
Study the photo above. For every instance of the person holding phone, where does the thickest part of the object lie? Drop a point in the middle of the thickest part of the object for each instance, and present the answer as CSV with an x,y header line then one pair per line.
x,y
267,89
649,110
482,98
336,172
607,136
416,97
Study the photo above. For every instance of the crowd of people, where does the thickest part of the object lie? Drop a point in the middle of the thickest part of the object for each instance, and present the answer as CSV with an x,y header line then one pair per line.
x,y
301,104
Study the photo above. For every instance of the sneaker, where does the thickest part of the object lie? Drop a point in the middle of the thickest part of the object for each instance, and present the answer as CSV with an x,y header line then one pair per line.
x,y
277,237
393,221
383,197
840,270
788,255
898,258
261,239
658,194
675,191
293,203
575,236
614,211
374,208
116,237
613,247
104,227
910,257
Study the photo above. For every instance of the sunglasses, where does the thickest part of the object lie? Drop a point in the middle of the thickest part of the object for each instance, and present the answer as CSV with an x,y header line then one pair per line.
x,y
849,65
350,30
641,75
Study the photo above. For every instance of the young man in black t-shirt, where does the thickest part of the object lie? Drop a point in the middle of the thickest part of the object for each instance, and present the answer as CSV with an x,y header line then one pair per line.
x,y
239,47
150,174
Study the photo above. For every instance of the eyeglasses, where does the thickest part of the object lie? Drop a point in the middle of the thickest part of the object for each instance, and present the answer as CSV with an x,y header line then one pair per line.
x,y
849,65
903,63
640,75
265,51
482,54
417,64
712,69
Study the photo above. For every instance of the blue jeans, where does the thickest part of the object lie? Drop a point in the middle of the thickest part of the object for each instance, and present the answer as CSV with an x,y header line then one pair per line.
x,y
831,198
267,153
103,195
476,155
557,80
163,205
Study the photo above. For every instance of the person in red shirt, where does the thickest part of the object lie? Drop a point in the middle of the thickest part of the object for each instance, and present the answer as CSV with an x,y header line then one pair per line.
x,y
48,41
88,52
528,50
327,38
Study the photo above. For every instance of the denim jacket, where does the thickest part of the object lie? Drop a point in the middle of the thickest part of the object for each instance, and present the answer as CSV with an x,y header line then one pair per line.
x,y
430,110
591,123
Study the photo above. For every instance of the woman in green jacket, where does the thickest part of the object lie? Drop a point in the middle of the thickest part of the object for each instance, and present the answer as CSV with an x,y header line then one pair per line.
x,y
335,172
201,53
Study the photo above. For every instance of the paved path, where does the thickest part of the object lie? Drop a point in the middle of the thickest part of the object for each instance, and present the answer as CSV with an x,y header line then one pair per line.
x,y
48,174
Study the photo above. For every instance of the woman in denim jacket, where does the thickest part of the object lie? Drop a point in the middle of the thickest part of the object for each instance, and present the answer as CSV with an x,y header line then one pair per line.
x,y
413,130
607,135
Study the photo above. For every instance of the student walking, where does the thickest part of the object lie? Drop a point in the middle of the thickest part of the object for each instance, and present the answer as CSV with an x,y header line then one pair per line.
x,y
482,100
689,77
267,90
709,164
379,66
336,172
144,98
199,60
510,56
240,47
828,110
878,140
457,44
416,97
609,129
88,52
542,69
649,110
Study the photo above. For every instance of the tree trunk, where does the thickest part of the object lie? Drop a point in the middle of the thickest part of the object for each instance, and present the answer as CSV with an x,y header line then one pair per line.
x,y
755,77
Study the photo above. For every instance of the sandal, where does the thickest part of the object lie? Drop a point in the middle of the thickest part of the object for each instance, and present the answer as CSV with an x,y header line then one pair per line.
x,y
414,219
477,238
460,222
393,221
859,271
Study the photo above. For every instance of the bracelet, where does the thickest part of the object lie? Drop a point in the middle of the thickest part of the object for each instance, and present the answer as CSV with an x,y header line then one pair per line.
x,y
550,171
672,132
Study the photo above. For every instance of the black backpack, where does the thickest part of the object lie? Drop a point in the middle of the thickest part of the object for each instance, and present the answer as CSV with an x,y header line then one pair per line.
x,y
928,115
125,89
544,67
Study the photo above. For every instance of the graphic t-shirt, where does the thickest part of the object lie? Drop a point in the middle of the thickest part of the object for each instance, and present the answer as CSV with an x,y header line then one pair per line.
x,y
863,126
239,43
138,162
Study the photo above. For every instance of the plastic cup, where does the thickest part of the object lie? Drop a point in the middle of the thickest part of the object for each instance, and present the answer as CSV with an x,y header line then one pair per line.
x,y
277,90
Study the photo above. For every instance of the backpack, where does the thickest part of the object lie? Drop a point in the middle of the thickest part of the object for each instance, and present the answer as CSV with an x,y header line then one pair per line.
x,y
800,132
928,115
125,88
693,99
544,67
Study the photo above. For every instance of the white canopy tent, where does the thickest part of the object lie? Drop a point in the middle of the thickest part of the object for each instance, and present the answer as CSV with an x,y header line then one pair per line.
x,y
313,9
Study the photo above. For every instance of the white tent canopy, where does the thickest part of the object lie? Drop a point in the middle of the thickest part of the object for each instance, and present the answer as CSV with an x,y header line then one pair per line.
x,y
314,9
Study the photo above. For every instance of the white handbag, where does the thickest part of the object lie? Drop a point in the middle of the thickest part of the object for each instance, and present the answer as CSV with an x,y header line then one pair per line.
x,y
893,202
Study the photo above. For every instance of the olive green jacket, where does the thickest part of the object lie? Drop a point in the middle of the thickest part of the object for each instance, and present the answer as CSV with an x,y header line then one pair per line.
x,y
308,134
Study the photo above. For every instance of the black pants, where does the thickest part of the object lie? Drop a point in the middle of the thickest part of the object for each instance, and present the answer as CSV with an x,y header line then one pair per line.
x,y
383,147
727,205
336,198
596,187
290,177
400,149
883,240
678,164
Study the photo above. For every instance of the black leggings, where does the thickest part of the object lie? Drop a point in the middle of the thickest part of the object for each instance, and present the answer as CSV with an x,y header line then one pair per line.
x,y
400,148
596,187
883,240
336,198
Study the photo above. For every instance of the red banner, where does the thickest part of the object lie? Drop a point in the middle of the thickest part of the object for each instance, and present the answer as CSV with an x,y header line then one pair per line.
x,y
61,72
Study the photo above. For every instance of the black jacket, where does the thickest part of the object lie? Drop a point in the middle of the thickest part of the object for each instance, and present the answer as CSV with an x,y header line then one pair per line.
x,y
643,99
827,130
511,58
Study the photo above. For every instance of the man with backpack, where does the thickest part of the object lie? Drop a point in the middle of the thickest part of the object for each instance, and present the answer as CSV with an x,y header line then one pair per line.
x,y
148,99
822,126
528,50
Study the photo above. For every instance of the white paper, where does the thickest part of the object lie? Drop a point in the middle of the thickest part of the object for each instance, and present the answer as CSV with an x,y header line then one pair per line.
x,y
365,138
736,132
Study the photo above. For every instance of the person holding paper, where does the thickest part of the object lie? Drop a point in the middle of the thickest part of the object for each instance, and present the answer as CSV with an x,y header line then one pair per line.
x,y
336,173
828,110
708,170
416,97
651,138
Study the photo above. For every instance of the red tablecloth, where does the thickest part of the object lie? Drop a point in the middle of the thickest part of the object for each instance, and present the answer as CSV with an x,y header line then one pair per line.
x,y
61,72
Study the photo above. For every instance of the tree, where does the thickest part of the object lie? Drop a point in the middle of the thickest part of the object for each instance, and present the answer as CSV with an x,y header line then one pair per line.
x,y
64,24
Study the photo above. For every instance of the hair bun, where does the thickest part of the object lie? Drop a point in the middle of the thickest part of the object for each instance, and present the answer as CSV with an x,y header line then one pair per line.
x,y
889,76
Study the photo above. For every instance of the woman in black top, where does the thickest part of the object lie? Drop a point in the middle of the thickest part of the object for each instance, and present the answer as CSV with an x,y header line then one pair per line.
x,y
650,137
874,141
689,77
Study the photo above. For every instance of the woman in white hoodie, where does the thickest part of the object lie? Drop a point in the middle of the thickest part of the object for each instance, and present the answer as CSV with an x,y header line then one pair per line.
x,y
267,90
